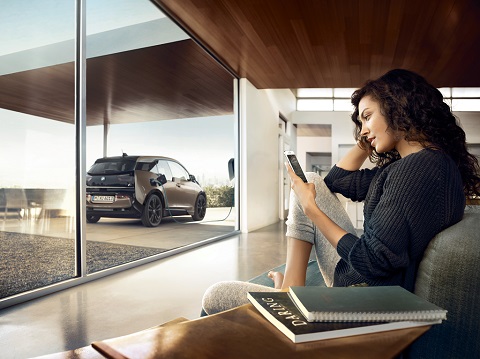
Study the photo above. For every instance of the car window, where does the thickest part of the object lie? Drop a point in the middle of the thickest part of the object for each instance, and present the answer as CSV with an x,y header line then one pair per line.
x,y
164,169
113,166
146,166
178,171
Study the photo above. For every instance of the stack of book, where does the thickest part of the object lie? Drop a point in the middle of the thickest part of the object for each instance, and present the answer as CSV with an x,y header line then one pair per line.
x,y
314,313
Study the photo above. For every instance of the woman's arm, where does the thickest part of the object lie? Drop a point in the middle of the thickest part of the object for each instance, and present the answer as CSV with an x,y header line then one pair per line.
x,y
348,179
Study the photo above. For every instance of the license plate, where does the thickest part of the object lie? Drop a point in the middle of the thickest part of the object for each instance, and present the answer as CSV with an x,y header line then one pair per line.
x,y
103,199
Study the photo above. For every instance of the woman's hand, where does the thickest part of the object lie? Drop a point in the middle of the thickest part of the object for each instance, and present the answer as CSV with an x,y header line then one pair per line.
x,y
305,191
306,195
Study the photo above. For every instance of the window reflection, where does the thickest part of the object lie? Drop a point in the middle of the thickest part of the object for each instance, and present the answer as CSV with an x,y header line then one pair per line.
x,y
37,178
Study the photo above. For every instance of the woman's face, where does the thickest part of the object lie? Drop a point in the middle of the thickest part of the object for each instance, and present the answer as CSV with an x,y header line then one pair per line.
x,y
374,126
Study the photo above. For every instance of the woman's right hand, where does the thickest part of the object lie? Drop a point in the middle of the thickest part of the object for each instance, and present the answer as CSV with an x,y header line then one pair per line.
x,y
305,191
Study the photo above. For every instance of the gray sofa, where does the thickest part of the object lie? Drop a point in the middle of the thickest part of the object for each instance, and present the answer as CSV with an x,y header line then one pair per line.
x,y
449,276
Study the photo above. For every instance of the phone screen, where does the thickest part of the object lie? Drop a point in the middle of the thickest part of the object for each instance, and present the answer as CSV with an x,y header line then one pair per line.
x,y
292,159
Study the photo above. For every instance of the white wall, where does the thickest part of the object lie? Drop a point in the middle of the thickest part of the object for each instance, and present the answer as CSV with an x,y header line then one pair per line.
x,y
308,144
342,132
259,155
470,122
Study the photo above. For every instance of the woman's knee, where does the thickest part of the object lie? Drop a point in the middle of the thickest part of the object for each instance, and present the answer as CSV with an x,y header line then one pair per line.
x,y
313,177
222,296
227,295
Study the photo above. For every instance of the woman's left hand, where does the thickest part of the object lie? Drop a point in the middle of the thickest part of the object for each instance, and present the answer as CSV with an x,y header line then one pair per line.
x,y
305,191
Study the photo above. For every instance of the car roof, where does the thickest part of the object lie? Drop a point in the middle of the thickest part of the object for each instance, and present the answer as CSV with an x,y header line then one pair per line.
x,y
151,158
134,158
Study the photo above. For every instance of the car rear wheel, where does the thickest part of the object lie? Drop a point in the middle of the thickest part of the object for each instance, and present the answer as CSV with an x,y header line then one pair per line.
x,y
200,208
92,218
152,211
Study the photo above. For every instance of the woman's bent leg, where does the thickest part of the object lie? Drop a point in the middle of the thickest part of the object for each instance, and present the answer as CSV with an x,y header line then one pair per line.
x,y
299,226
230,294
298,254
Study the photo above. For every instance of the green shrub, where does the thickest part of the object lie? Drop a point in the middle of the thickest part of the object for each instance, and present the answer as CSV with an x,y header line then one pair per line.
x,y
219,196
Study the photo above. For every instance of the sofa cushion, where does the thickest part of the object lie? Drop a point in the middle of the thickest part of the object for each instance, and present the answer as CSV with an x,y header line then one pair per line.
x,y
449,276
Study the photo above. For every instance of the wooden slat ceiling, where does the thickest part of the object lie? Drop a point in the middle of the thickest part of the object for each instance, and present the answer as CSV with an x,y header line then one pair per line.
x,y
336,43
175,80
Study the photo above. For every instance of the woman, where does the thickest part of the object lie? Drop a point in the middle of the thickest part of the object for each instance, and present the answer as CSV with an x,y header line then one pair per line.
x,y
422,174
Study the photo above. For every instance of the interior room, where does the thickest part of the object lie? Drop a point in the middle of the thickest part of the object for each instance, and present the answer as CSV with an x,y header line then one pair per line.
x,y
222,88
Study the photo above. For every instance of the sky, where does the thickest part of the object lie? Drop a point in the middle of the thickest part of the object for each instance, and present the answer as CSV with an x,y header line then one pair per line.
x,y
22,28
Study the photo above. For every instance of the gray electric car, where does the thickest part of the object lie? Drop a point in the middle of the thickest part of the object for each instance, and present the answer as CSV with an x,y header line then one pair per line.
x,y
145,187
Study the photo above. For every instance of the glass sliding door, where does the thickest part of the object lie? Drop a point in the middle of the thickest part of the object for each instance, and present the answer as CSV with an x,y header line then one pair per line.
x,y
156,104
37,145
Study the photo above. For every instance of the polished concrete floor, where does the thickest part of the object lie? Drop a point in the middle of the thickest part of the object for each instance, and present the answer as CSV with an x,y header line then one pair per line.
x,y
138,298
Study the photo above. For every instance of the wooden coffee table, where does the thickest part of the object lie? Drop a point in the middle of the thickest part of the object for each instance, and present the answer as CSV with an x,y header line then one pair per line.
x,y
244,333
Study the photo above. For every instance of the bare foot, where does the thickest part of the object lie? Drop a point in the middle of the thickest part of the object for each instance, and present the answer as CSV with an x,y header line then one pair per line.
x,y
277,278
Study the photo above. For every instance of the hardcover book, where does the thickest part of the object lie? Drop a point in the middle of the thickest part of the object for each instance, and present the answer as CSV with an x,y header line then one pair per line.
x,y
279,309
379,304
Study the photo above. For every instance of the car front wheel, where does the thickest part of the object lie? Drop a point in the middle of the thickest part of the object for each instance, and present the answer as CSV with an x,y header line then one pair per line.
x,y
92,218
152,211
200,208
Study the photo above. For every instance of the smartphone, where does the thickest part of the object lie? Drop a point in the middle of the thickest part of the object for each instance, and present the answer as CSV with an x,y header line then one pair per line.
x,y
292,160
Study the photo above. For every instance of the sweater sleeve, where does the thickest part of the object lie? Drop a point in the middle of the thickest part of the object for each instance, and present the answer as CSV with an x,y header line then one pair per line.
x,y
410,210
351,184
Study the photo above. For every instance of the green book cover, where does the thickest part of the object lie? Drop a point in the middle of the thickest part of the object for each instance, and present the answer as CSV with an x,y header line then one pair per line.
x,y
279,310
388,303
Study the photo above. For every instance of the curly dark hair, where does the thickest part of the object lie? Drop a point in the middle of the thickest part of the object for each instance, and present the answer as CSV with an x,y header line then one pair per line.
x,y
412,106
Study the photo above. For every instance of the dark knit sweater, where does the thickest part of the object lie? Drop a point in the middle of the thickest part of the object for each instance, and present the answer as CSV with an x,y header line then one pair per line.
x,y
406,203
